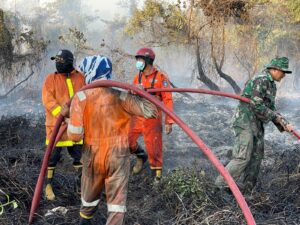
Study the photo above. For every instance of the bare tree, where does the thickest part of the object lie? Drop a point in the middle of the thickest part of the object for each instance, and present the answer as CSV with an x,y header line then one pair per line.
x,y
218,66
202,77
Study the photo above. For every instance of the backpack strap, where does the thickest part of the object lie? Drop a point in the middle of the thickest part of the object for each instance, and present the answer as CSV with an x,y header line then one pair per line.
x,y
140,77
153,80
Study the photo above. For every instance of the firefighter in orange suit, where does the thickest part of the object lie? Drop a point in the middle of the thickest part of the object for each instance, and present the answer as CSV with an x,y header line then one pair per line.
x,y
101,116
149,77
58,88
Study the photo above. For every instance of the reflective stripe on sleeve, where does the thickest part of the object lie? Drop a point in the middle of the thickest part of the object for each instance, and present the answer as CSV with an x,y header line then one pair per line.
x,y
89,204
70,87
74,129
56,111
81,96
116,208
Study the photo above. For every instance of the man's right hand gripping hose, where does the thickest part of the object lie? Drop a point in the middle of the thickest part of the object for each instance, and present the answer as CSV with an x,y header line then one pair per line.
x,y
282,124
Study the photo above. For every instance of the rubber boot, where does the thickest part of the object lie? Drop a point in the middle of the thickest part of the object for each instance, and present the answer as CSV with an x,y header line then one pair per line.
x,y
49,190
78,174
84,221
140,160
156,174
247,188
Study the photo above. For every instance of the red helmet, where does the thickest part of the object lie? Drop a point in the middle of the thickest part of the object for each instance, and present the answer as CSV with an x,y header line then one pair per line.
x,y
145,53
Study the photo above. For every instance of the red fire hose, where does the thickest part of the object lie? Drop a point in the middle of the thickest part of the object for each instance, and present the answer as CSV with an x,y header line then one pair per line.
x,y
210,92
55,137
202,91
232,185
295,134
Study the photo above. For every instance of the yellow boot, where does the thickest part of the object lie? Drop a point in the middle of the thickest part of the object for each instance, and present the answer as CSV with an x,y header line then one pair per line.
x,y
49,190
156,174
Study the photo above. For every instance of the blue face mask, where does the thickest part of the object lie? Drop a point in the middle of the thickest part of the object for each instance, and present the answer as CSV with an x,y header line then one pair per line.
x,y
140,65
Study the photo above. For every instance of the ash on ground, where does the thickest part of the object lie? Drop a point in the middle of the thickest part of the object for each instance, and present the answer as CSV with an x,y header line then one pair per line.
x,y
186,194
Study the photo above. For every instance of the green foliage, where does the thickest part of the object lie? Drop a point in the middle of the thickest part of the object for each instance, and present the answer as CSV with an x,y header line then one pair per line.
x,y
291,9
157,13
255,30
294,7
271,30
150,10
175,18
187,183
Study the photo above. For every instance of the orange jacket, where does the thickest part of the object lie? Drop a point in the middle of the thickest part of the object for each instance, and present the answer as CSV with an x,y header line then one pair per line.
x,y
57,90
157,80
101,117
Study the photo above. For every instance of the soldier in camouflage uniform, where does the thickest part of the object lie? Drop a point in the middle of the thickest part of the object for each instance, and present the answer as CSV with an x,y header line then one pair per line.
x,y
249,121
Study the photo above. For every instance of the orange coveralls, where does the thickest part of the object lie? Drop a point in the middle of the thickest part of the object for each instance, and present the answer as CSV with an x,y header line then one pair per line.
x,y
151,129
102,116
57,90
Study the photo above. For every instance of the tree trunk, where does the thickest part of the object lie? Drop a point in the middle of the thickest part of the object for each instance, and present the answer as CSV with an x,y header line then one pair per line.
x,y
218,67
202,77
226,77
15,86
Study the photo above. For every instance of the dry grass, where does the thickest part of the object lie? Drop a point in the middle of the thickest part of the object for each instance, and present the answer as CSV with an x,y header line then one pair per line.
x,y
184,196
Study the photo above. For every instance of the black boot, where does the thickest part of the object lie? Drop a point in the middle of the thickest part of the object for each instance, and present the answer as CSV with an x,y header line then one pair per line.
x,y
84,221
142,157
78,174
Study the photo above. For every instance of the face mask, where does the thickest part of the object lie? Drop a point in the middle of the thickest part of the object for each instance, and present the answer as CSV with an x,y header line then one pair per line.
x,y
140,65
64,68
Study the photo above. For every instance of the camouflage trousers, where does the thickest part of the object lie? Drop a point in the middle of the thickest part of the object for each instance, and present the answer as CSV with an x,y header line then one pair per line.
x,y
247,155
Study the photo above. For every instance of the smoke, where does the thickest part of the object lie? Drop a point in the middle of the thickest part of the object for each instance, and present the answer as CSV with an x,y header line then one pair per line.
x,y
49,20
60,25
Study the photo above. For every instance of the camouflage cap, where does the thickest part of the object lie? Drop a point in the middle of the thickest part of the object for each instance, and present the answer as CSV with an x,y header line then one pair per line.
x,y
279,63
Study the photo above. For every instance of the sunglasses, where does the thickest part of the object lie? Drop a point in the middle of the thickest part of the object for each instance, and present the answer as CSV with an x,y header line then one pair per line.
x,y
59,59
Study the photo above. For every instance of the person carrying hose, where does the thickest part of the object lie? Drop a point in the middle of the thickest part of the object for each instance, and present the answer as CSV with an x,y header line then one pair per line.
x,y
58,88
101,116
249,121
148,78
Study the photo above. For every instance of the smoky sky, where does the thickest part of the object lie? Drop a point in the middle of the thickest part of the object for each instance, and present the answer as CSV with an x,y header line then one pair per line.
x,y
107,9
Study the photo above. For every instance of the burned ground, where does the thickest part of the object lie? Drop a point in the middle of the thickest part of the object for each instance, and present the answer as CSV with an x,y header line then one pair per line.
x,y
186,195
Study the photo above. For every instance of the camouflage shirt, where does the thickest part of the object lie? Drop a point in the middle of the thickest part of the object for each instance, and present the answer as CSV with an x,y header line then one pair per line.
x,y
261,90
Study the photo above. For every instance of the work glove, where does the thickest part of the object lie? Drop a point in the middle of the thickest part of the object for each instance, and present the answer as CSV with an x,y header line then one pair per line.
x,y
282,124
168,128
